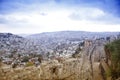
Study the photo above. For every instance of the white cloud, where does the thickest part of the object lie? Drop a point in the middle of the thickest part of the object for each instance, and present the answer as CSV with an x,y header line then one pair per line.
x,y
87,13
57,19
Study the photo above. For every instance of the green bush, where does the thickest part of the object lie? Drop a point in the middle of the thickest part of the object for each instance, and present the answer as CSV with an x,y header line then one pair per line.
x,y
108,73
114,52
29,64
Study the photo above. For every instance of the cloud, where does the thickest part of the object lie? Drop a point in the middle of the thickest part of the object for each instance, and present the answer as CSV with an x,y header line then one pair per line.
x,y
57,20
22,16
94,14
6,6
87,13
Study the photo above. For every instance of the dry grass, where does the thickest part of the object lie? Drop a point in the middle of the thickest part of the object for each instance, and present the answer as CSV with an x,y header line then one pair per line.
x,y
70,69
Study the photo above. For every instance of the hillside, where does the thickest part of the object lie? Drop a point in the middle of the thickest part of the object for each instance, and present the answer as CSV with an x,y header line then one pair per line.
x,y
73,34
10,42
50,40
59,58
13,44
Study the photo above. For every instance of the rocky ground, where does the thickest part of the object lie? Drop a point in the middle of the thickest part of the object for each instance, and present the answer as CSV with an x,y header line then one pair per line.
x,y
67,69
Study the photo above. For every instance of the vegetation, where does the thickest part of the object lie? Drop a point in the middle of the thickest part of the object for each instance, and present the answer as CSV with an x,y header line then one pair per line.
x,y
40,58
113,53
108,73
14,65
0,62
77,52
25,59
29,64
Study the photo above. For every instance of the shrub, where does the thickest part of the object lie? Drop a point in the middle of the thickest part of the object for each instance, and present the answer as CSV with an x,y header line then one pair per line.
x,y
25,59
29,64
113,49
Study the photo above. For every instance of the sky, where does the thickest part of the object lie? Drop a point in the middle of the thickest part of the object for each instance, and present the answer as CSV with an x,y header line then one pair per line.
x,y
36,16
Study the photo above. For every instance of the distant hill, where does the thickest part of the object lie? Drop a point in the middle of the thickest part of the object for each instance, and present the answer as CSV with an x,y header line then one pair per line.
x,y
43,42
10,43
10,39
72,34
8,35
63,36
